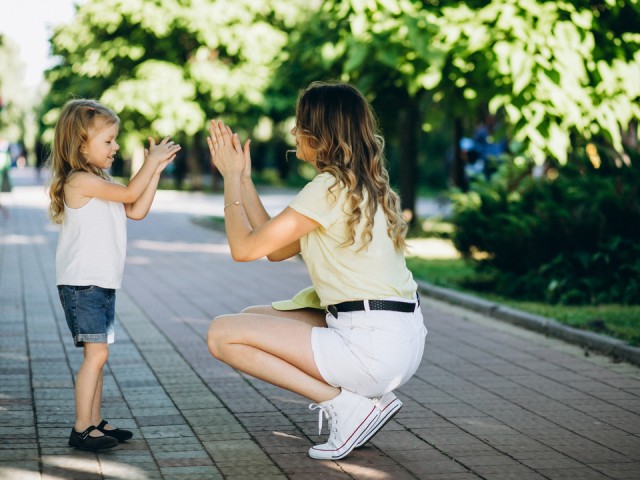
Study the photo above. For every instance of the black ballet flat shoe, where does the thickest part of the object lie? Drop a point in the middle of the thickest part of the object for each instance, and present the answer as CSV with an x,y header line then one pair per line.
x,y
117,433
83,441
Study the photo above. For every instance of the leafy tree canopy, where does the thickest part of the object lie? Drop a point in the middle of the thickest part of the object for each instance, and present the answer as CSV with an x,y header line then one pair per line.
x,y
165,67
558,70
14,101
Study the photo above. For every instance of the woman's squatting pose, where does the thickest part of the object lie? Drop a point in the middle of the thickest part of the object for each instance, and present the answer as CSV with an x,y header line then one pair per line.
x,y
346,224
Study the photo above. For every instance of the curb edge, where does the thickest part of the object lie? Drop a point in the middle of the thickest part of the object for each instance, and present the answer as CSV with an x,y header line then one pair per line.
x,y
617,349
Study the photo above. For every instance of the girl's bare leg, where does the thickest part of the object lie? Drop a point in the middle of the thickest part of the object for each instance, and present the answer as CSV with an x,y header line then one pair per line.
x,y
276,349
97,399
87,382
96,415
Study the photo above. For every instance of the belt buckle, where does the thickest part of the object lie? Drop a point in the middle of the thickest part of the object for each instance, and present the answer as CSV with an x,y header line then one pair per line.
x,y
333,310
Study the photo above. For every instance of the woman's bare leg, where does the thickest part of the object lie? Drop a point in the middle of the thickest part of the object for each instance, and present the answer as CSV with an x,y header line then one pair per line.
x,y
272,348
312,316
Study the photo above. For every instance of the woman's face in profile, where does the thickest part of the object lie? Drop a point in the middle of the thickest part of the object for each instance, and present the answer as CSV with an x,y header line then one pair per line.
x,y
304,151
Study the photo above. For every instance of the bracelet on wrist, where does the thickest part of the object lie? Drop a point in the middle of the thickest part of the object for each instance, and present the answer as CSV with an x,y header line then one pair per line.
x,y
237,202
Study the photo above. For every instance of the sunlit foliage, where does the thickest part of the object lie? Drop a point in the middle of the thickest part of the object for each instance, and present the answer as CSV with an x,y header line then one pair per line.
x,y
168,66
14,101
557,72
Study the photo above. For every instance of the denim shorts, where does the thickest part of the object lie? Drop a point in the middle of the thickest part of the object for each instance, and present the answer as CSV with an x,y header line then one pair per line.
x,y
90,313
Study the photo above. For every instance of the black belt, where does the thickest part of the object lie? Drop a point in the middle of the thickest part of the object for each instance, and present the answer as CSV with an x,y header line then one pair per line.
x,y
358,305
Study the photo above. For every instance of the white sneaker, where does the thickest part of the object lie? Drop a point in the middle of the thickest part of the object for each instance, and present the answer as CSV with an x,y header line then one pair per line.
x,y
350,418
389,405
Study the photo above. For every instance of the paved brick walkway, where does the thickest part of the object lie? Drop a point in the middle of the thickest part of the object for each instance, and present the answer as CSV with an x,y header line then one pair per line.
x,y
489,401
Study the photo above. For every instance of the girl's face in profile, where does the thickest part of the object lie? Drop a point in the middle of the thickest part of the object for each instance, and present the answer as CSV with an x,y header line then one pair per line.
x,y
304,151
101,147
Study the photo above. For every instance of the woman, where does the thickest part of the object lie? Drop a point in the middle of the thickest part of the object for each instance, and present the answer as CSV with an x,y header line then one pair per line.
x,y
347,225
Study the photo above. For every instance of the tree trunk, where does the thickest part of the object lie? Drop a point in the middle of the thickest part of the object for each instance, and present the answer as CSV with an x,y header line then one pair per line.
x,y
409,126
193,164
458,176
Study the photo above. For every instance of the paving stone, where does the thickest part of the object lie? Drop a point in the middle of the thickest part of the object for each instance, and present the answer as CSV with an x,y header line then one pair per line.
x,y
184,462
160,420
583,473
193,476
151,412
11,472
618,470
174,431
17,454
257,471
448,466
203,471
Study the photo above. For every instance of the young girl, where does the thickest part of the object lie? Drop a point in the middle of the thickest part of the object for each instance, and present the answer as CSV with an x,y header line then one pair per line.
x,y
347,225
92,210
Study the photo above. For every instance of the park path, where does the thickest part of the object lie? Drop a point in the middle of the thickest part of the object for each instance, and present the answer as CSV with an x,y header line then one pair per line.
x,y
489,401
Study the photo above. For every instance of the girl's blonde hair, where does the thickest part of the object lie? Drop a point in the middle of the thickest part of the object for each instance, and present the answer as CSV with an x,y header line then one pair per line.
x,y
342,128
71,135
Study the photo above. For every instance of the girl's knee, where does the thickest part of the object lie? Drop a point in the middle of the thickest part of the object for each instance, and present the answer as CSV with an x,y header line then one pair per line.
x,y
96,353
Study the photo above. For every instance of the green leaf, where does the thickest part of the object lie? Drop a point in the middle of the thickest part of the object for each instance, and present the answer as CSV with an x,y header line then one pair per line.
x,y
430,78
558,142
521,69
356,57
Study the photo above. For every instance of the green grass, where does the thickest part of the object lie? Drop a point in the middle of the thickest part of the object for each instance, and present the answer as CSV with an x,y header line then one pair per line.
x,y
618,321
433,227
442,272
210,221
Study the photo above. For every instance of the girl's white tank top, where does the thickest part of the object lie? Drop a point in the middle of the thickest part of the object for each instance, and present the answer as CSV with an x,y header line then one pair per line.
x,y
92,245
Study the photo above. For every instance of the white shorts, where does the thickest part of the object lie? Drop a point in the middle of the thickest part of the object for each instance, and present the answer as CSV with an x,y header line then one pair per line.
x,y
369,352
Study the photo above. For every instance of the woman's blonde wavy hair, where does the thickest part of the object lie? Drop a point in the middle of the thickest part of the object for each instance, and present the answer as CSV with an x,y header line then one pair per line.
x,y
76,120
341,126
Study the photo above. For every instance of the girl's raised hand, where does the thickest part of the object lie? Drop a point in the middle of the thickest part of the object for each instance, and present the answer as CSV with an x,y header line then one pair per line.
x,y
162,153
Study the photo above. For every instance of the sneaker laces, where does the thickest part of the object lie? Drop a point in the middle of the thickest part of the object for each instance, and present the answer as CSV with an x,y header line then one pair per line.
x,y
325,411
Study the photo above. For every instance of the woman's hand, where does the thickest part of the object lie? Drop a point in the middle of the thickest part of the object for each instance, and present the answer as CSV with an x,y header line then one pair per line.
x,y
246,173
227,154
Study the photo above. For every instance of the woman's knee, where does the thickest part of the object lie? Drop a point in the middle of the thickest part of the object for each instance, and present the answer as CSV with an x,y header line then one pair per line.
x,y
216,336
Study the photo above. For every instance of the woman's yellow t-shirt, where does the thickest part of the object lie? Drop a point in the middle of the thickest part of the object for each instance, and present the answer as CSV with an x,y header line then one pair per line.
x,y
340,273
